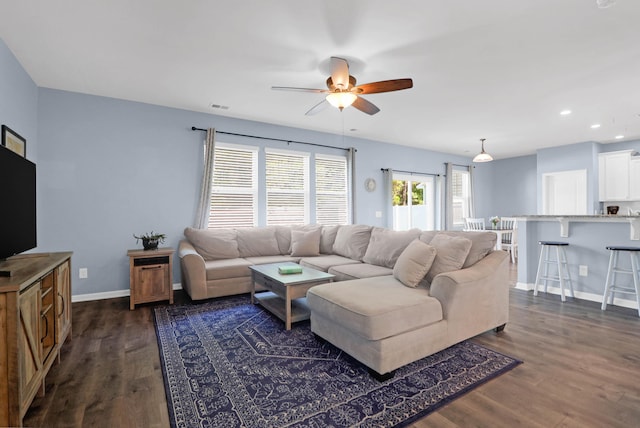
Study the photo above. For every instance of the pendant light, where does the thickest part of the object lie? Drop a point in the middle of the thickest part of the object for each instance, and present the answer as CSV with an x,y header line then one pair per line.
x,y
483,156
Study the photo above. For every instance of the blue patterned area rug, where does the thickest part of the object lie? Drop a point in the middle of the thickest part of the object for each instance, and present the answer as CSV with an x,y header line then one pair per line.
x,y
227,363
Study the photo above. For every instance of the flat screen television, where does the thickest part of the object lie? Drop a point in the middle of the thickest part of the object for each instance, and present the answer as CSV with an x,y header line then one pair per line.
x,y
18,204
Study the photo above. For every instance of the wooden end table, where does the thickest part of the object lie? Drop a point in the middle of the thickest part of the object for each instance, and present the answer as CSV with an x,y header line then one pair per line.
x,y
150,273
286,298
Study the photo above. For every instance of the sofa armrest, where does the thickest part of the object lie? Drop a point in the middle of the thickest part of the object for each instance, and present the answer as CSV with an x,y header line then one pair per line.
x,y
475,299
194,272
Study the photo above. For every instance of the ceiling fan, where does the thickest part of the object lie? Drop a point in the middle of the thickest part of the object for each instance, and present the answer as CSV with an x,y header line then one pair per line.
x,y
343,92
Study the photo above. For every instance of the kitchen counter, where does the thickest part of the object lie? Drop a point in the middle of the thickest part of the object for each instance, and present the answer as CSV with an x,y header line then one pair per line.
x,y
565,220
587,236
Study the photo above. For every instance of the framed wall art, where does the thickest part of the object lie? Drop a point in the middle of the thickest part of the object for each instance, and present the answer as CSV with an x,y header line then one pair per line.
x,y
13,141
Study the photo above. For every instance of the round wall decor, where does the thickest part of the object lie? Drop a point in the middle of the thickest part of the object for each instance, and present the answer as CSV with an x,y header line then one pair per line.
x,y
370,184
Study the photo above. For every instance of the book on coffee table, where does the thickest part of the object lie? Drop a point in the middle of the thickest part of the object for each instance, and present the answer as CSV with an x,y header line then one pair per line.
x,y
286,270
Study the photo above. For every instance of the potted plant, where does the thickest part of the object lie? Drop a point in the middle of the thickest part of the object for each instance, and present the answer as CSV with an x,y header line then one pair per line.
x,y
494,221
151,240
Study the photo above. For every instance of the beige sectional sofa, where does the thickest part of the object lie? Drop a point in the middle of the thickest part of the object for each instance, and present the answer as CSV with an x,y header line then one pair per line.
x,y
397,296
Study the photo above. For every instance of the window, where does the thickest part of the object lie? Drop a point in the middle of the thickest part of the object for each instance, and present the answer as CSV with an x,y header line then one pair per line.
x,y
287,185
413,202
332,199
234,188
461,194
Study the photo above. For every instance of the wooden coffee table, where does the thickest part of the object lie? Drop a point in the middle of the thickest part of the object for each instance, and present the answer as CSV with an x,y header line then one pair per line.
x,y
286,297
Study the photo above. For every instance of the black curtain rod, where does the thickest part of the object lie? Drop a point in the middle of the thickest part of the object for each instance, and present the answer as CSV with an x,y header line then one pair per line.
x,y
193,128
410,172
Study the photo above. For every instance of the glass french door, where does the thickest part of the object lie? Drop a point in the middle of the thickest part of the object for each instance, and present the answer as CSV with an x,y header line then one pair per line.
x,y
414,201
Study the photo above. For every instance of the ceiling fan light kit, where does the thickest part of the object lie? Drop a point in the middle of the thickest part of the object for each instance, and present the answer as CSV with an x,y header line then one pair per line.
x,y
483,156
340,100
342,90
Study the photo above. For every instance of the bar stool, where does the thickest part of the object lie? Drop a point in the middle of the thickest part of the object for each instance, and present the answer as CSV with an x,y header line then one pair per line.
x,y
610,288
560,261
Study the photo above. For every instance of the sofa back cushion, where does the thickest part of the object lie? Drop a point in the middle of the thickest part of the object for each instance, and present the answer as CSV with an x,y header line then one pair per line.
x,y
352,241
283,236
385,245
451,252
482,243
257,241
414,263
327,239
214,244
305,243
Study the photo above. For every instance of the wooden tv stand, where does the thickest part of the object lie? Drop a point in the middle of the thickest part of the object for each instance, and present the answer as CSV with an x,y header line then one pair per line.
x,y
35,320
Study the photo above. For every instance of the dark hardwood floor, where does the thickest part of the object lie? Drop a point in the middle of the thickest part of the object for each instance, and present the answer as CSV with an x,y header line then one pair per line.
x,y
581,369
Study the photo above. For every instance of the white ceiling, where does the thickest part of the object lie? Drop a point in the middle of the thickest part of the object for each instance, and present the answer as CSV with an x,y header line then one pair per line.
x,y
495,69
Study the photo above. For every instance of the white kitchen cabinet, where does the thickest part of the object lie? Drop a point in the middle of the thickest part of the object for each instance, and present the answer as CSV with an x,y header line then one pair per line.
x,y
634,179
615,182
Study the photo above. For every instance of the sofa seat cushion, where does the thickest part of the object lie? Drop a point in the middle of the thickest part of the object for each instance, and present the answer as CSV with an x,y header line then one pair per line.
x,y
261,260
228,268
323,263
375,308
357,271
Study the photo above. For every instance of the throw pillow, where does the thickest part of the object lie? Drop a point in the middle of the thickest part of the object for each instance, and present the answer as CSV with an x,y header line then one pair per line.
x,y
452,252
414,263
257,241
352,241
213,244
385,245
305,244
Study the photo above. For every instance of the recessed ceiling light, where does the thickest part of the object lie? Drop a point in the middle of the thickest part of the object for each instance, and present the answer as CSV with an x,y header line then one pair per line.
x,y
595,125
603,4
565,112
619,137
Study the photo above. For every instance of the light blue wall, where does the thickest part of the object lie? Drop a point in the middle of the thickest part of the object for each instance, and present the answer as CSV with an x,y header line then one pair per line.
x,y
112,168
109,168
513,184
569,158
18,100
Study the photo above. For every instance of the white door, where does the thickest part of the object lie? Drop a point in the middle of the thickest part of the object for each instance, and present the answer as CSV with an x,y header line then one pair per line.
x,y
564,193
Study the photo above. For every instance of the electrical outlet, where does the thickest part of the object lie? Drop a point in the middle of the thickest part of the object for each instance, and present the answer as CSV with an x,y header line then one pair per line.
x,y
378,214
583,270
83,273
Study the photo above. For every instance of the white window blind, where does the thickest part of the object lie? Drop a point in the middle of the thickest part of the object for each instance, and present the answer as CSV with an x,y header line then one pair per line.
x,y
332,203
287,185
234,190
461,192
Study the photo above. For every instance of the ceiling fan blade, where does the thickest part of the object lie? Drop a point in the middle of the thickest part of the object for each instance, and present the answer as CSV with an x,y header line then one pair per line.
x,y
383,86
317,108
365,106
287,88
340,72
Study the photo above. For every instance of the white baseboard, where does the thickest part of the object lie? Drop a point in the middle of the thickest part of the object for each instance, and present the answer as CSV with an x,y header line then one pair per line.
x,y
109,294
632,304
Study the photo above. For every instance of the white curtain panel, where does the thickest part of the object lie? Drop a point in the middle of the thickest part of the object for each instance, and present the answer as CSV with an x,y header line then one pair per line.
x,y
388,189
472,201
448,205
204,205
351,165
